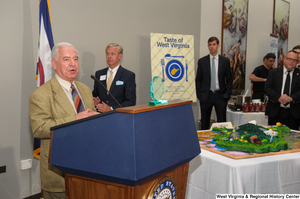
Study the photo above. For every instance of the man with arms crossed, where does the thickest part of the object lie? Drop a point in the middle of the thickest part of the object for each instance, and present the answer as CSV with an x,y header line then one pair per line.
x,y
52,104
213,84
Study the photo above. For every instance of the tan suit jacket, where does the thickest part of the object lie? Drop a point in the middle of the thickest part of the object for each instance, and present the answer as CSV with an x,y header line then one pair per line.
x,y
49,106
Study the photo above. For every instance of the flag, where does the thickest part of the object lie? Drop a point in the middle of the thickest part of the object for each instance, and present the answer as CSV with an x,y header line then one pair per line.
x,y
44,69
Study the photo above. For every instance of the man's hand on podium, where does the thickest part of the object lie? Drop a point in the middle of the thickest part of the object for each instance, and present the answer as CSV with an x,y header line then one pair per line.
x,y
86,113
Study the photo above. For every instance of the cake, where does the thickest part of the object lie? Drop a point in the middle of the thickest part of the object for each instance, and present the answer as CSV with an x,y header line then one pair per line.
x,y
251,138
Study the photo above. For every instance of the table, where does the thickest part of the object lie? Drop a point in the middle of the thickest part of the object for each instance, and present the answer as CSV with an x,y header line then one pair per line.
x,y
238,118
211,173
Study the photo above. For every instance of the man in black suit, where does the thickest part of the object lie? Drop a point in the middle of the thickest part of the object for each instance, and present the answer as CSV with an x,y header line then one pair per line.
x,y
119,81
213,84
283,89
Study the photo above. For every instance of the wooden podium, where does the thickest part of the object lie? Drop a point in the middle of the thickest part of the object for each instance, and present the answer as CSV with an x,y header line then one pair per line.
x,y
138,152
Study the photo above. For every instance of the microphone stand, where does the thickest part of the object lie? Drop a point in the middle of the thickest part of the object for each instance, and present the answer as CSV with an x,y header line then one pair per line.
x,y
94,78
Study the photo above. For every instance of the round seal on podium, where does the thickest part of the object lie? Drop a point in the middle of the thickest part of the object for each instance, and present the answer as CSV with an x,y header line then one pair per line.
x,y
163,188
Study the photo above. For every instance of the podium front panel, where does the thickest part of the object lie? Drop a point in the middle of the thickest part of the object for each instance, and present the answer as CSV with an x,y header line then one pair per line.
x,y
127,148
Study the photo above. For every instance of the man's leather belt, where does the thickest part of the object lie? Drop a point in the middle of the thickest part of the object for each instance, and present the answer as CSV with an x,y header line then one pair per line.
x,y
215,91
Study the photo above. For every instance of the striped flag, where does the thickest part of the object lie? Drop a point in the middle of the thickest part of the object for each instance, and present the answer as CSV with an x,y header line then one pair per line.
x,y
44,69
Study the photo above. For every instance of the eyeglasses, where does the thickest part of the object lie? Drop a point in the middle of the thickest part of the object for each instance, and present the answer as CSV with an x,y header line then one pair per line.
x,y
293,60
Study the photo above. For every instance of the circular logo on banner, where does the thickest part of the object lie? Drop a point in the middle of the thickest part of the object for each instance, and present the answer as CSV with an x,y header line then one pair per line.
x,y
174,70
163,189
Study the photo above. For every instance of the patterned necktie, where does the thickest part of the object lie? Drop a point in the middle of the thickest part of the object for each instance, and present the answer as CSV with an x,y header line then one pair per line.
x,y
213,75
76,99
109,80
287,86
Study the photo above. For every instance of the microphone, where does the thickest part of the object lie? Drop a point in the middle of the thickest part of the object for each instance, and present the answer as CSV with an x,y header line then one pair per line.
x,y
94,78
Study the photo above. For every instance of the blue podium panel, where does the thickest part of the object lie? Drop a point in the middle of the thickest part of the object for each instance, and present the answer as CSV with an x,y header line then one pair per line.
x,y
127,148
165,139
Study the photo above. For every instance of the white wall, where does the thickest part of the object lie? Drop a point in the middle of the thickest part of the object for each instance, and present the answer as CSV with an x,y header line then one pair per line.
x,y
211,23
90,26
259,31
294,28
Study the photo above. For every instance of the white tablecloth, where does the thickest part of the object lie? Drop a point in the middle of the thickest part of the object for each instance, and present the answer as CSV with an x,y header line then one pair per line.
x,y
211,173
239,118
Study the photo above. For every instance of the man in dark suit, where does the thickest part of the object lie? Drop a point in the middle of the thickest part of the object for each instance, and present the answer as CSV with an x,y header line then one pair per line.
x,y
119,81
283,89
213,83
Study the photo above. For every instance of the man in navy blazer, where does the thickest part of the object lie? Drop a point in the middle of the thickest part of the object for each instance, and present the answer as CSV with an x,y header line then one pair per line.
x,y
284,108
119,81
213,89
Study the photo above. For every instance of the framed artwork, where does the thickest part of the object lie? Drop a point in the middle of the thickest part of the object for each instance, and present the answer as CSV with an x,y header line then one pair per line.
x,y
281,17
234,40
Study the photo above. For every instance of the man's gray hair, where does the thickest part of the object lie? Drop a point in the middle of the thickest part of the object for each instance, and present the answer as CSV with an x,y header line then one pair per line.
x,y
54,53
120,49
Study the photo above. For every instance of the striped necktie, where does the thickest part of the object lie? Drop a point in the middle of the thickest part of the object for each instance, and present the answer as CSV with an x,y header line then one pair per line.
x,y
109,80
76,99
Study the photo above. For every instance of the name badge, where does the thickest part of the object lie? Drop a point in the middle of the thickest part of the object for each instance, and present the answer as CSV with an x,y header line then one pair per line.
x,y
102,77
118,83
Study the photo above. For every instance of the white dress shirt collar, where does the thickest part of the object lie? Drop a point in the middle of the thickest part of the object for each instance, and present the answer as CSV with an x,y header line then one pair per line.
x,y
64,83
216,57
115,70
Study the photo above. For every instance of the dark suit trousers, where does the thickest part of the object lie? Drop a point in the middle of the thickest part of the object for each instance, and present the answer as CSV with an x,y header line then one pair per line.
x,y
285,117
214,100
